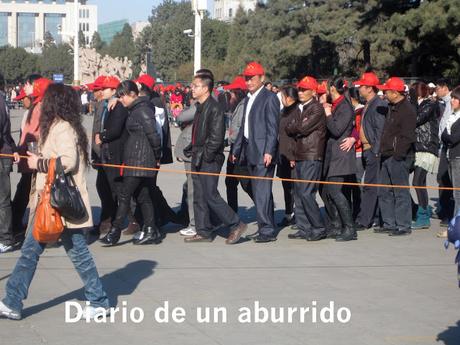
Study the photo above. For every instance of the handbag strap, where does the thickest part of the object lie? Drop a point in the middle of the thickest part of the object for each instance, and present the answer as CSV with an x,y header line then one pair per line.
x,y
51,171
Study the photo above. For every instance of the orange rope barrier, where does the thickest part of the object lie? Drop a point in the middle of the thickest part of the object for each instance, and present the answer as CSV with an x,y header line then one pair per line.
x,y
177,171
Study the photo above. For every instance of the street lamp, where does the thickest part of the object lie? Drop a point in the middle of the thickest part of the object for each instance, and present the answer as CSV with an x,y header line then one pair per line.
x,y
199,7
76,53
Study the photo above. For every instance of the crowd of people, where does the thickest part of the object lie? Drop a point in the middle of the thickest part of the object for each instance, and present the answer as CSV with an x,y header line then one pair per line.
x,y
344,133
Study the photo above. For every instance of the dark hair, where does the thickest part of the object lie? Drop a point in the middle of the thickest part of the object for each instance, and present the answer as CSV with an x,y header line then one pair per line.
x,y
207,79
126,87
443,82
32,77
146,91
290,91
339,84
62,102
421,89
268,83
354,93
204,72
456,93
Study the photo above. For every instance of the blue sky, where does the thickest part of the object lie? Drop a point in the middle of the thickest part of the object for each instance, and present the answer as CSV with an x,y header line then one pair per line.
x,y
133,10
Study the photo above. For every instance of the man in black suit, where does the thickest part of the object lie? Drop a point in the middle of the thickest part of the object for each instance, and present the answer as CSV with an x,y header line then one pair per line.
x,y
206,150
257,145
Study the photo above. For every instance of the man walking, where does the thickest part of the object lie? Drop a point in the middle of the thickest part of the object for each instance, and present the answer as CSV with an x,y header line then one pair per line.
x,y
206,150
257,145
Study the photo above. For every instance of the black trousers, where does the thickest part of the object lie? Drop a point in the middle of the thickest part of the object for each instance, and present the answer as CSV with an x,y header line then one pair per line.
x,y
284,170
369,195
206,198
232,184
307,214
108,203
446,200
140,189
263,198
337,205
6,232
20,201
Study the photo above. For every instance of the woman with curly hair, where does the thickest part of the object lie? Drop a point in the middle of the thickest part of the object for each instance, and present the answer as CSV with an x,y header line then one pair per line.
x,y
61,135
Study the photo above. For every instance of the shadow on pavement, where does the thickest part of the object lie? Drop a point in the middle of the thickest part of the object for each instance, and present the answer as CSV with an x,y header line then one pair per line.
x,y
122,282
451,336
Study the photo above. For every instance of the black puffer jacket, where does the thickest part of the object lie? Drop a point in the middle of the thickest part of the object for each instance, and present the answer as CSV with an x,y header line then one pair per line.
x,y
143,144
426,132
208,134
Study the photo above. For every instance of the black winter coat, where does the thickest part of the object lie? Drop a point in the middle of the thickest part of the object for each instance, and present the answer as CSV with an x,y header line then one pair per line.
x,y
208,134
143,144
427,130
340,126
114,135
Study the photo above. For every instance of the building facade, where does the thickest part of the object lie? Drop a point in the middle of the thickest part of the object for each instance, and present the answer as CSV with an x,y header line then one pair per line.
x,y
107,31
25,23
225,10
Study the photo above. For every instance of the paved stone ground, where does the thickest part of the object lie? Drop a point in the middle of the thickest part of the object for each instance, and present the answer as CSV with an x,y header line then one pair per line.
x,y
400,291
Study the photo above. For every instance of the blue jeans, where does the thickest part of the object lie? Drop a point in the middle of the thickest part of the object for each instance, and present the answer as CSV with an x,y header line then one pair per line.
x,y
75,246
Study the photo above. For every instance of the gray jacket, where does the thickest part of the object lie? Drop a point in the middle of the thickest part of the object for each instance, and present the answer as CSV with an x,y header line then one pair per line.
x,y
185,137
235,123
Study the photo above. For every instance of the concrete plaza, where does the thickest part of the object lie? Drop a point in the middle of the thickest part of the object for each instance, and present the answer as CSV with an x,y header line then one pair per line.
x,y
400,291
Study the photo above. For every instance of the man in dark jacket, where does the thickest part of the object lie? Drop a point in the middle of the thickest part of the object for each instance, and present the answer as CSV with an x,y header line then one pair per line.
x,y
309,131
396,148
372,123
207,148
257,146
7,146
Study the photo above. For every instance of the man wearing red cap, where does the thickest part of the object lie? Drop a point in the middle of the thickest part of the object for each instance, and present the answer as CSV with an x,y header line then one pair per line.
x,y
396,149
257,146
372,122
309,131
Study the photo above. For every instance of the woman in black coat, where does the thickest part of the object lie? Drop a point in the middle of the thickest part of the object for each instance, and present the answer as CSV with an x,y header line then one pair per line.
x,y
142,149
339,165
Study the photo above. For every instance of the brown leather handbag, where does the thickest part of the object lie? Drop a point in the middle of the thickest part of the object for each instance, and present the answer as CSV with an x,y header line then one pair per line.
x,y
48,225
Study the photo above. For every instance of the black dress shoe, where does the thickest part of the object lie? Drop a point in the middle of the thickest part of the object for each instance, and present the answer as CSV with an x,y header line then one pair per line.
x,y
317,236
382,230
148,235
299,235
401,232
333,232
112,237
360,227
286,221
253,235
264,239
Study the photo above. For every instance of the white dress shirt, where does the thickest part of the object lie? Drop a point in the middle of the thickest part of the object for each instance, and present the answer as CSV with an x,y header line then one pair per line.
x,y
302,105
252,98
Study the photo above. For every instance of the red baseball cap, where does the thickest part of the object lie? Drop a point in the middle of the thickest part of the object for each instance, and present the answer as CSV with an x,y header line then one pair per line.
x,y
394,84
21,96
96,85
252,69
39,89
109,82
147,80
308,83
368,79
237,83
322,88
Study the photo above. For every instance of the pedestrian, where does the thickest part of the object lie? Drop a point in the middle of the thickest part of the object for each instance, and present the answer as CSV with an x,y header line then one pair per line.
x,y
257,147
62,135
206,151
397,151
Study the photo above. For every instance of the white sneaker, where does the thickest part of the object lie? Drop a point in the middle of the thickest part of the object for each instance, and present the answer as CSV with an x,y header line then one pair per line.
x,y
91,313
188,232
4,248
9,313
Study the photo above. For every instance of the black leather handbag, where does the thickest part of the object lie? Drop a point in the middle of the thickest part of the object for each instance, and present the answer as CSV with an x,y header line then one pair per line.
x,y
66,197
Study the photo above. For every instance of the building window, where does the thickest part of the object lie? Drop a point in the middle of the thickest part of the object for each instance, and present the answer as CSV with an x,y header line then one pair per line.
x,y
26,29
3,29
230,12
53,25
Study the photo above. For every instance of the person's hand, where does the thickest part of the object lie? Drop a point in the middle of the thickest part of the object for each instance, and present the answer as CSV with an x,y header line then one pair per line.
x,y
158,165
292,163
97,139
16,158
32,160
267,160
112,103
328,108
347,144
232,158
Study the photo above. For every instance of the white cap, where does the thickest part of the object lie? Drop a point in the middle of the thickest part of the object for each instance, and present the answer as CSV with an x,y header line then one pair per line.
x,y
431,85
